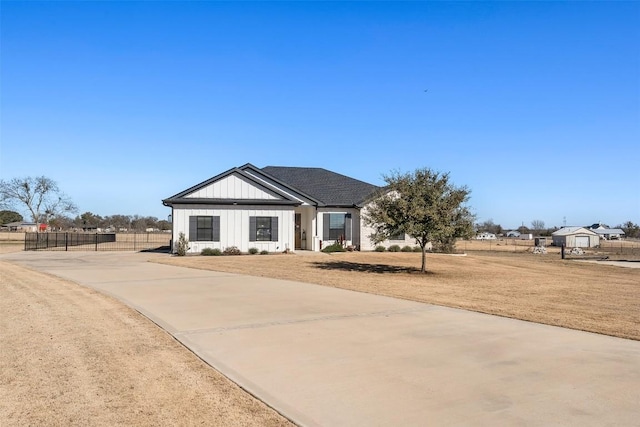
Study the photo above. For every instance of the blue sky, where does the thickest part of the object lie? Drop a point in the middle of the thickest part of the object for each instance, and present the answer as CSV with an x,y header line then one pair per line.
x,y
535,106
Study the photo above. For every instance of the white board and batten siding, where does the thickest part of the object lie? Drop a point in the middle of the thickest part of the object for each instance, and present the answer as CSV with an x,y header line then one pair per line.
x,y
235,227
232,187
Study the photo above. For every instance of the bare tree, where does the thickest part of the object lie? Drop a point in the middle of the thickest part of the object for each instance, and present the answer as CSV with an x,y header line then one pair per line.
x,y
537,225
489,226
61,222
40,195
88,220
630,229
118,222
164,225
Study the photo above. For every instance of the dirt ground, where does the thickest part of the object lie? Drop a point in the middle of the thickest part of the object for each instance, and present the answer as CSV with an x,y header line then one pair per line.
x,y
72,356
538,288
7,247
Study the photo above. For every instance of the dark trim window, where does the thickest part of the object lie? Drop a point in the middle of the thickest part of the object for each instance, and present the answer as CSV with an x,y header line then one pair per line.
x,y
336,226
204,228
263,229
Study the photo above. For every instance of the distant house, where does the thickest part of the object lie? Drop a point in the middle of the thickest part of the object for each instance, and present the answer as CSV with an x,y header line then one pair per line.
x,y
575,237
21,226
607,233
598,225
513,233
275,209
486,236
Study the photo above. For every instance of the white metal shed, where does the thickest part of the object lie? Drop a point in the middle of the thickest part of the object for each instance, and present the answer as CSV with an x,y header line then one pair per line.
x,y
575,237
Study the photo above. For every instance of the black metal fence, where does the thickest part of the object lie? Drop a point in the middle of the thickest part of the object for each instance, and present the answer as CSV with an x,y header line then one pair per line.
x,y
97,241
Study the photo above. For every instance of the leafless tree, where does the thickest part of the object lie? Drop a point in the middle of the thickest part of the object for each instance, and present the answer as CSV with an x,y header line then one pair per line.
x,y
537,225
40,195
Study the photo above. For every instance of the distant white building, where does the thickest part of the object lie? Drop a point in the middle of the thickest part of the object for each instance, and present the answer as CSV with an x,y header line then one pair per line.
x,y
607,233
575,237
486,236
21,226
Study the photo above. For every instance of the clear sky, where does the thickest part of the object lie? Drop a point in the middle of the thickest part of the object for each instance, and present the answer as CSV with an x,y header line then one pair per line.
x,y
535,106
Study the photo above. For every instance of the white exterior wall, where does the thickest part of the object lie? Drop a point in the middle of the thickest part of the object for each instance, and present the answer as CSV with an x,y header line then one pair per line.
x,y
367,245
272,183
234,226
569,240
232,187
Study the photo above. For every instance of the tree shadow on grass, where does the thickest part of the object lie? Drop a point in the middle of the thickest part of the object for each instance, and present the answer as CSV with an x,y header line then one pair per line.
x,y
365,268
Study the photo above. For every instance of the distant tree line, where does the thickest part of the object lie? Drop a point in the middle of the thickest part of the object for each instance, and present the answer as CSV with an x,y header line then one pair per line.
x,y
92,222
115,223
7,217
631,230
46,203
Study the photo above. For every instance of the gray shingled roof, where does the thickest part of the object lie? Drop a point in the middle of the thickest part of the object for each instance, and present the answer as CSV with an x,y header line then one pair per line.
x,y
330,188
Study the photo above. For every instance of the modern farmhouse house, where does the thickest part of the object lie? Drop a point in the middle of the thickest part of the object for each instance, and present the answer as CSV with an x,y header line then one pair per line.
x,y
274,209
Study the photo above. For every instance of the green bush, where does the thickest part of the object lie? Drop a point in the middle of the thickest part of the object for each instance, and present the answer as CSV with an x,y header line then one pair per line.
x,y
253,251
447,246
406,249
336,247
417,249
394,248
263,252
211,252
231,250
380,248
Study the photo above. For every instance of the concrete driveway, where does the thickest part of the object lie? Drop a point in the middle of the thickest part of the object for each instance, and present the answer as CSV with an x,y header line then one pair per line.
x,y
331,357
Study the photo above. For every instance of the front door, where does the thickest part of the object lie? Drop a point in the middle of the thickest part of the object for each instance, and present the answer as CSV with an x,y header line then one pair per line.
x,y
298,231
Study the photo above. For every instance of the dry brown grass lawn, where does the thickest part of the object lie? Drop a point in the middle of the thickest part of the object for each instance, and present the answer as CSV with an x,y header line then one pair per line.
x,y
8,247
72,356
537,288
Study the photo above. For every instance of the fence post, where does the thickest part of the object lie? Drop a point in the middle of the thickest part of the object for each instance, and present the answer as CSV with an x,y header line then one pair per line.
x,y
96,242
66,242
25,241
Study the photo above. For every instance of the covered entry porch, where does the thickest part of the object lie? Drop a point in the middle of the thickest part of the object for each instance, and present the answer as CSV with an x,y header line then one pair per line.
x,y
305,226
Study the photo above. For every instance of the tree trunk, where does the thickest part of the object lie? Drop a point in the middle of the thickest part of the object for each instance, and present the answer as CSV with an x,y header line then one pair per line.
x,y
423,269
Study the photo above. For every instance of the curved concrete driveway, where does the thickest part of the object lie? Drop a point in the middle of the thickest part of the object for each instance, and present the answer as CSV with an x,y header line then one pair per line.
x,y
325,356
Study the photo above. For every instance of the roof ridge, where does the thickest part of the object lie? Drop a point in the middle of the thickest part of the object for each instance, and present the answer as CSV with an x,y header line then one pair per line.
x,y
323,169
